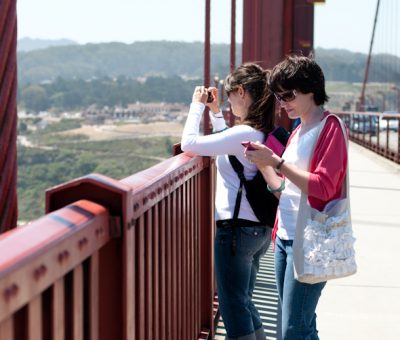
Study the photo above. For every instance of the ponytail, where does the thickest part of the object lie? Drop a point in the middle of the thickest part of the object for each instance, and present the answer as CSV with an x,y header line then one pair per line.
x,y
261,114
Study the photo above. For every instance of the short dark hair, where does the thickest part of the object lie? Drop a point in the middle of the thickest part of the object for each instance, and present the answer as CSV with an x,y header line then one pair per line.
x,y
299,73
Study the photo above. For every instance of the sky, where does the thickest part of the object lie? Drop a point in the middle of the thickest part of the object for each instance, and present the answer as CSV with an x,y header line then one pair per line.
x,y
343,24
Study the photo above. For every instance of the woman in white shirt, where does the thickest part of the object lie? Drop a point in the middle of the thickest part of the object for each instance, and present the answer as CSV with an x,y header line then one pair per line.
x,y
253,104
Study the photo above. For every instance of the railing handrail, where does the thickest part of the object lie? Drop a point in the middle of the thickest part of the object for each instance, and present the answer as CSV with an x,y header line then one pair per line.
x,y
377,135
368,113
38,254
100,239
153,184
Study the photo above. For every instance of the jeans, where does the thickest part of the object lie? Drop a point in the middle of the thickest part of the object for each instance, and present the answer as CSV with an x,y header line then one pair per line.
x,y
236,277
298,300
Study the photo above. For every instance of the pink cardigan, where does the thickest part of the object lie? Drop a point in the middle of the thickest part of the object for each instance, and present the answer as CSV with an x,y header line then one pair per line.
x,y
327,167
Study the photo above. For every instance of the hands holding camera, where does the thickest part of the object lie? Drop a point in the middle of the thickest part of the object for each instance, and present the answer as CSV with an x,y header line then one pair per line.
x,y
207,96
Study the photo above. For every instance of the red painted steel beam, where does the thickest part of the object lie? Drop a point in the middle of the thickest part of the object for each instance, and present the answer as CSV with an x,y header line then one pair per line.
x,y
303,27
262,32
273,29
8,115
67,237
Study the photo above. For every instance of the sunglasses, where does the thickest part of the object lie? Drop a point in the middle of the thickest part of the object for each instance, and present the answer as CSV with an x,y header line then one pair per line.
x,y
287,96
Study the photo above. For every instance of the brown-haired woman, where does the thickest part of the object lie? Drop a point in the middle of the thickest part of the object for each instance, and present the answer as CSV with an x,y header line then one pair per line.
x,y
253,104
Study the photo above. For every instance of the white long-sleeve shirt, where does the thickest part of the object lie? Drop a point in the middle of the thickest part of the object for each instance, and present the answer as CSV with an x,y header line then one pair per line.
x,y
225,142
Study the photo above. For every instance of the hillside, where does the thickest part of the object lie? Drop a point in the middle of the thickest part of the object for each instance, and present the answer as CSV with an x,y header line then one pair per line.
x,y
115,59
29,44
167,58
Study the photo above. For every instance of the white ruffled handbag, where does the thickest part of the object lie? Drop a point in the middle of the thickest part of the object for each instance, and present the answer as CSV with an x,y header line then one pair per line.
x,y
324,243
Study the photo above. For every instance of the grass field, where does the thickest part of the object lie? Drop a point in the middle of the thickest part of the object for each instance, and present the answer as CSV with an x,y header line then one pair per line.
x,y
52,158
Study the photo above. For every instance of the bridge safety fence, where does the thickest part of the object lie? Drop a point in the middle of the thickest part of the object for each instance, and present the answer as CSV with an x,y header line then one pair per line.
x,y
378,132
128,259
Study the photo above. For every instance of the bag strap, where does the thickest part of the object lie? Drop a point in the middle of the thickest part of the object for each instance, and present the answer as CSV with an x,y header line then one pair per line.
x,y
298,264
345,186
238,167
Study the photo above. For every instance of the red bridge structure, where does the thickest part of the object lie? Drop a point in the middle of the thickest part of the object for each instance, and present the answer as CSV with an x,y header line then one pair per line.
x,y
133,258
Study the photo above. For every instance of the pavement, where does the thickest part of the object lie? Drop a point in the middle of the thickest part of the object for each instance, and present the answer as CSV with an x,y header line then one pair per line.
x,y
365,306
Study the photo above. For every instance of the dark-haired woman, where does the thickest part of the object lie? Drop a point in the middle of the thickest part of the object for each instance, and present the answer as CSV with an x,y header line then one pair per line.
x,y
253,104
299,85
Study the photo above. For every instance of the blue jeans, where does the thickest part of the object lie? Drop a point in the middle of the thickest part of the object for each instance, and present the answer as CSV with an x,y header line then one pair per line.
x,y
298,300
236,276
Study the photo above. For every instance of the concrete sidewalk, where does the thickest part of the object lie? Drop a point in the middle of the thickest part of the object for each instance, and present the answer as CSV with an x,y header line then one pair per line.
x,y
366,306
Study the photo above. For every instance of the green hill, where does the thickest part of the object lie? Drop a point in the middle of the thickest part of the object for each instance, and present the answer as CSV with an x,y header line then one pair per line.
x,y
168,58
115,59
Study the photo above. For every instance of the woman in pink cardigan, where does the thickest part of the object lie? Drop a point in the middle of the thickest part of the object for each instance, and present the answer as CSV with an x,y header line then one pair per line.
x,y
299,86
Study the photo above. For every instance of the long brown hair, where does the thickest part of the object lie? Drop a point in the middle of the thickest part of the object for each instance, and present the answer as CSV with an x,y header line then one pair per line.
x,y
254,79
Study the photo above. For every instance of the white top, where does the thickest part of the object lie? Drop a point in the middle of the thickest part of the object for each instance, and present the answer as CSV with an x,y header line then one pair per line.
x,y
298,152
225,142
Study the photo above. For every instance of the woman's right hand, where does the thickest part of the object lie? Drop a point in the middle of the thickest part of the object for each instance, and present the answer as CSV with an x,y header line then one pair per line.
x,y
214,105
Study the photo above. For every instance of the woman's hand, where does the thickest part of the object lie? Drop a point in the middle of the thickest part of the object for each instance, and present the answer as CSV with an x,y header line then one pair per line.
x,y
261,155
214,105
200,95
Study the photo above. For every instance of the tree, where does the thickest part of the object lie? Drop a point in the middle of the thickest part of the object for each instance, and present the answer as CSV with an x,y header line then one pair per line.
x,y
35,98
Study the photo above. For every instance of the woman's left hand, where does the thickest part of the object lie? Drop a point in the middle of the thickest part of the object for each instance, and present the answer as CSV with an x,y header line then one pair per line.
x,y
200,95
261,155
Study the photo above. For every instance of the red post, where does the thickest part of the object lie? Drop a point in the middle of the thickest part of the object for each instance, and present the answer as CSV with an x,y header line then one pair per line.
x,y
207,58
206,253
8,115
233,35
231,117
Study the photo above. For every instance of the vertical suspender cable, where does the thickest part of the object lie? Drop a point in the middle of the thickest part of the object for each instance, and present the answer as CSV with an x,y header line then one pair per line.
x,y
233,35
233,50
207,61
362,97
8,115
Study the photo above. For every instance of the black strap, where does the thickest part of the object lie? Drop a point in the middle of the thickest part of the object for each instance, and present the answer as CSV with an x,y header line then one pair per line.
x,y
238,167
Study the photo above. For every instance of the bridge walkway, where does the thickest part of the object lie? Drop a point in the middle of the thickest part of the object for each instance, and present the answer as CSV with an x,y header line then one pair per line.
x,y
364,306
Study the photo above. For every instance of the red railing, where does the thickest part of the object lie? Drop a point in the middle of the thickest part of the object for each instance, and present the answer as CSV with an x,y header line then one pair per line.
x,y
129,259
378,132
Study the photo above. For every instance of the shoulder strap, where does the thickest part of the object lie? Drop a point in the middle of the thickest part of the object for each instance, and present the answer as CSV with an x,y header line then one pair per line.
x,y
238,167
345,188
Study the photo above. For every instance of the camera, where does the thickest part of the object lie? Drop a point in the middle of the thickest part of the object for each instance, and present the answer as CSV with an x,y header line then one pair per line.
x,y
210,97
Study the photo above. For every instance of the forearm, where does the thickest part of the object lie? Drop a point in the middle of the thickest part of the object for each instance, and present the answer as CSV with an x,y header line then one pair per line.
x,y
297,176
217,121
274,181
191,129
